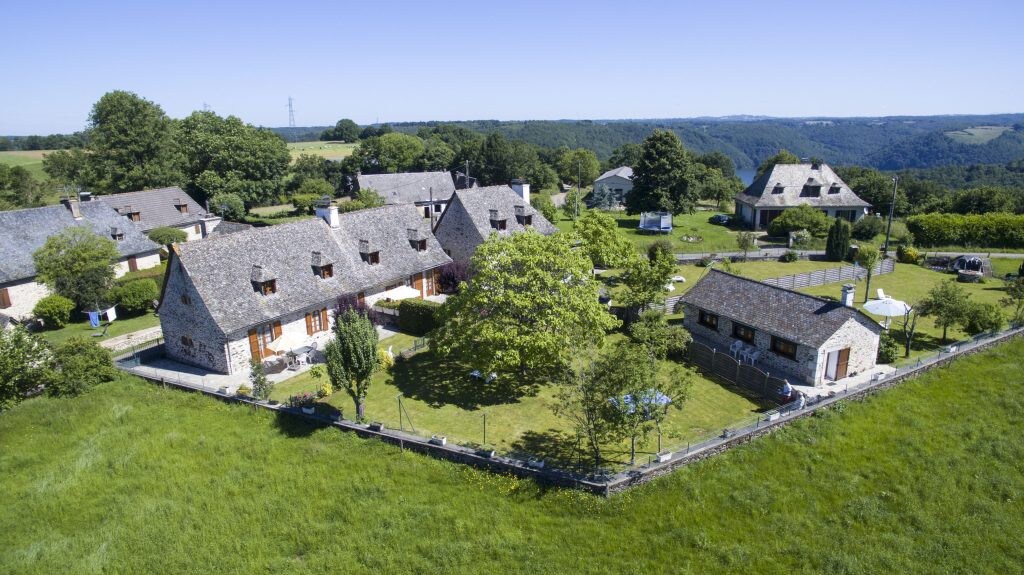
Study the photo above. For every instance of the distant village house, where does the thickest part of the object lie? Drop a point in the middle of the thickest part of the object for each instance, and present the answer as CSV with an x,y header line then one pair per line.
x,y
164,207
787,186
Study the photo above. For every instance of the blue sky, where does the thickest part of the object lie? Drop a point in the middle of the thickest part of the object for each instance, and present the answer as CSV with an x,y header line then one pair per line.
x,y
406,61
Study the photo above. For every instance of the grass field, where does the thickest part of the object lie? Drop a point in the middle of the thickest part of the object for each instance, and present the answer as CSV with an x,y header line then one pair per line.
x,y
82,328
911,284
31,160
978,134
442,399
713,238
131,478
329,150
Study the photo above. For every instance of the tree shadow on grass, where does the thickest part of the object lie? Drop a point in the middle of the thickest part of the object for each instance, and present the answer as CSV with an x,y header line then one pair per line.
x,y
295,425
556,448
439,382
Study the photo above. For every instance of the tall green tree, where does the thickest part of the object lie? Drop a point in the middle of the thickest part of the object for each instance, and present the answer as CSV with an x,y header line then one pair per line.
x,y
78,265
345,131
627,154
531,303
545,206
578,166
70,168
25,363
981,318
437,155
226,155
390,153
352,356
783,157
745,241
718,160
868,257
601,240
131,144
948,304
660,178
1015,299
18,189
838,244
645,280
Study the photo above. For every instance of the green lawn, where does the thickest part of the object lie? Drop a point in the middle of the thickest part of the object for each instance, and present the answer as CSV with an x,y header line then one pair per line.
x,y
118,327
328,150
911,284
978,134
441,399
1003,266
131,478
713,238
31,160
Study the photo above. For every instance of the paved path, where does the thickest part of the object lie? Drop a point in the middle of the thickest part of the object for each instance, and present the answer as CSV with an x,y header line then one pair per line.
x,y
129,339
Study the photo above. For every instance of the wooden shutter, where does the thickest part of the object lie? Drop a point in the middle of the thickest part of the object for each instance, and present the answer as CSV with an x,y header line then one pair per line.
x,y
323,319
254,346
361,298
844,361
309,324
277,329
5,298
417,282
133,265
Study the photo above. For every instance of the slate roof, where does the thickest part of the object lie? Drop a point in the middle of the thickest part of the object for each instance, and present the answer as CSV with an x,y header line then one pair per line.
x,y
781,187
466,222
157,207
222,268
224,228
798,317
622,172
22,232
410,187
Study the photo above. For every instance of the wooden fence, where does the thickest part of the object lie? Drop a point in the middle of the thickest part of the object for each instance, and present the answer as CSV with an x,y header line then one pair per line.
x,y
726,367
830,275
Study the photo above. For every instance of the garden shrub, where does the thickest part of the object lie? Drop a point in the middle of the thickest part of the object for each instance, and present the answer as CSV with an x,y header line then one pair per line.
x,y
907,255
55,311
166,235
801,239
305,399
244,390
660,247
868,227
135,297
978,230
704,262
888,348
789,257
305,203
416,316
802,217
81,364
838,245
227,205
385,360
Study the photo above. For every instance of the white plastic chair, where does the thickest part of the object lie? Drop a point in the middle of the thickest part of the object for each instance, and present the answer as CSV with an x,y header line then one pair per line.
x,y
754,356
745,353
735,348
881,294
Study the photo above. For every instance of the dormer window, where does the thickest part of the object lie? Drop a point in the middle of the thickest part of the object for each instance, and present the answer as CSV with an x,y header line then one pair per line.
x,y
369,253
116,234
778,189
417,239
496,222
323,267
812,189
129,213
182,206
834,189
522,217
263,282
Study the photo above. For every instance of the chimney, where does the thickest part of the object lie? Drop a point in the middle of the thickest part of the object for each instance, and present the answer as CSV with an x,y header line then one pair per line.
x,y
847,296
72,204
84,196
328,212
521,188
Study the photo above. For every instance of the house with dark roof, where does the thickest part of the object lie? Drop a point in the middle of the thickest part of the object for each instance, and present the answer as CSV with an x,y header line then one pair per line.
x,y
813,339
22,232
618,180
789,185
164,207
430,191
476,213
226,299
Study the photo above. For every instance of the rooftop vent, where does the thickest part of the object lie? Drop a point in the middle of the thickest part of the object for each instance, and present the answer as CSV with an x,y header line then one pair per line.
x,y
494,214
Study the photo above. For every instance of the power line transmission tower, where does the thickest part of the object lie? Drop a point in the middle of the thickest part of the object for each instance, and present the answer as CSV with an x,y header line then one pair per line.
x,y
291,113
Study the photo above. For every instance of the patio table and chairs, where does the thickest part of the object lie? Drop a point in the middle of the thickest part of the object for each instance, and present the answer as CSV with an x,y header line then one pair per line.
x,y
735,348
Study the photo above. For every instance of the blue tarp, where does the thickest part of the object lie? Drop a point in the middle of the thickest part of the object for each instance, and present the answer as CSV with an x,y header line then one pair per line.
x,y
94,318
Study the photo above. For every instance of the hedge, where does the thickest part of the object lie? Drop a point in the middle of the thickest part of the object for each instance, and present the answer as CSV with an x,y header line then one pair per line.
x,y
136,297
55,311
996,230
416,316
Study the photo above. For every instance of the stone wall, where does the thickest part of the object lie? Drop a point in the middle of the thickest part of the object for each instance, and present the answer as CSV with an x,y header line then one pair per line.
x,y
239,353
24,297
143,262
187,317
862,340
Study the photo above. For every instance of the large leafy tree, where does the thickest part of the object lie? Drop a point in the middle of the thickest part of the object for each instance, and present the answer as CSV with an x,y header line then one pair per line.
x,y
947,304
783,157
313,167
531,302
78,265
1015,299
602,242
437,155
131,144
580,165
645,280
662,179
72,168
875,188
868,257
352,356
388,154
25,363
345,130
625,155
226,155
18,189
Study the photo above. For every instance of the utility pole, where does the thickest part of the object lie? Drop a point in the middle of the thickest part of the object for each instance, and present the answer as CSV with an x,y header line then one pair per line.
x,y
291,113
892,206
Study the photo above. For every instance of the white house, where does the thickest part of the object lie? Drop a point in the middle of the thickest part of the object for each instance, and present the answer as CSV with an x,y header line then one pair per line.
x,y
619,181
22,232
227,298
812,339
164,207
789,185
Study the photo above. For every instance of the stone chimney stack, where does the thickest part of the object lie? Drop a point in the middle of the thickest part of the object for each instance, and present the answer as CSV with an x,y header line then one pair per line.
x,y
847,294
73,205
522,189
328,212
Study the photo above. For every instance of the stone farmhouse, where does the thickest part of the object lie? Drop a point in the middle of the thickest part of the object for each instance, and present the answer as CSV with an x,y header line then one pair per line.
x,y
22,232
476,213
811,339
164,207
619,181
429,191
225,299
789,185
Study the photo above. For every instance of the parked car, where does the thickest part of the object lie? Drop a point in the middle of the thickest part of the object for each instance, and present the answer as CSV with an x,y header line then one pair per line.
x,y
720,219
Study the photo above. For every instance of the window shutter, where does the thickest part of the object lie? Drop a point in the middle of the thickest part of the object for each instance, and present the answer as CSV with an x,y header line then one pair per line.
x,y
309,324
254,346
5,298
277,329
323,319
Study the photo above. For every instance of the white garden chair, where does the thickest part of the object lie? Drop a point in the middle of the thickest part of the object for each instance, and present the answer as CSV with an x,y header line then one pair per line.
x,y
735,348
753,357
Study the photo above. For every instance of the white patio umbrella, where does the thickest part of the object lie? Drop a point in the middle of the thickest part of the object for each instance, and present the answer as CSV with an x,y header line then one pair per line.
x,y
887,307
287,342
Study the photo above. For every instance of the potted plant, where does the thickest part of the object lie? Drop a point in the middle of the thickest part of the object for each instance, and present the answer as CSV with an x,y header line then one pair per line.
x,y
303,401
